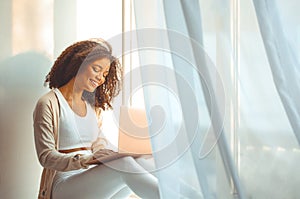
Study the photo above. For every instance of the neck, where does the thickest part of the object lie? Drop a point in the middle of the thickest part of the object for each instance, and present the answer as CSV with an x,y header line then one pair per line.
x,y
71,92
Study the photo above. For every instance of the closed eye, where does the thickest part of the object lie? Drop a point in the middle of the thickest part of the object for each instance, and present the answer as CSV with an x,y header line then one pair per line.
x,y
97,69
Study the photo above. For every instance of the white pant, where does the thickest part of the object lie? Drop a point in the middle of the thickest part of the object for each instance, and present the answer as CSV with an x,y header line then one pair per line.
x,y
111,180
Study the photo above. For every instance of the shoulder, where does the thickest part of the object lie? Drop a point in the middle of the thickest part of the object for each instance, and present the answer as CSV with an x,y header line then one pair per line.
x,y
47,98
46,101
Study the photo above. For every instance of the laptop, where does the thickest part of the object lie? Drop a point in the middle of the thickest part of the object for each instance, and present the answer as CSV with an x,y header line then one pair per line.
x,y
133,131
133,139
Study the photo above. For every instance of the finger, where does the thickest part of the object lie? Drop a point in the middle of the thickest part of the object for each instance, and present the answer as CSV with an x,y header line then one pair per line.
x,y
98,146
102,152
100,140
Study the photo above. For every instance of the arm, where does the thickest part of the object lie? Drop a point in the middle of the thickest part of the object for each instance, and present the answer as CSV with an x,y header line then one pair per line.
x,y
44,128
101,142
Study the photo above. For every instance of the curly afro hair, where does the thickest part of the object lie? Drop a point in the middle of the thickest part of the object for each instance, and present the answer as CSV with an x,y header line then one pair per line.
x,y
80,54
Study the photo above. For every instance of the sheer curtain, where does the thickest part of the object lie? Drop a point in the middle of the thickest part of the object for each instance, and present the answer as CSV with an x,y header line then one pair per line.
x,y
170,142
207,63
178,67
269,94
282,58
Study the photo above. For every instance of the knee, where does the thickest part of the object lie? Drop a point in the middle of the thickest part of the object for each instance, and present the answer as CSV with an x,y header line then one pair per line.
x,y
128,160
130,165
126,164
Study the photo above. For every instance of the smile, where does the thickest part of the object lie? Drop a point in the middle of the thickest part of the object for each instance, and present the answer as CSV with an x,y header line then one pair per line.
x,y
94,83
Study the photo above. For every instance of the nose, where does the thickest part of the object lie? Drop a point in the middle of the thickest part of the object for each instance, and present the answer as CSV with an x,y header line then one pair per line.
x,y
100,77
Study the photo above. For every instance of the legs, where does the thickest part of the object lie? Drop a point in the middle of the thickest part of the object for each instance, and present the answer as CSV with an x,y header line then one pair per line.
x,y
125,192
147,163
104,181
97,182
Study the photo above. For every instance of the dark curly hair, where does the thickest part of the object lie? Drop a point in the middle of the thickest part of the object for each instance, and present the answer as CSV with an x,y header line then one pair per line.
x,y
81,54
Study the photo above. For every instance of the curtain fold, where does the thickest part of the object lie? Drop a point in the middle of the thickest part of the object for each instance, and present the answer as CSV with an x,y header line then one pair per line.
x,y
283,61
174,65
174,162
217,100
181,82
175,21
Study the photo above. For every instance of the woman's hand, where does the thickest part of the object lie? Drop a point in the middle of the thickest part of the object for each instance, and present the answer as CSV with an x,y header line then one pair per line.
x,y
100,143
103,155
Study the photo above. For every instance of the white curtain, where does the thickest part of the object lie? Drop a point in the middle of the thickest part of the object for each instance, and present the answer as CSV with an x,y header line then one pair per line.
x,y
174,65
268,98
282,58
248,83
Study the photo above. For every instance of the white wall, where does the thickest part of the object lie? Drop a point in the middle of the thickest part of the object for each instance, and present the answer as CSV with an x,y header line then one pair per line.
x,y
30,40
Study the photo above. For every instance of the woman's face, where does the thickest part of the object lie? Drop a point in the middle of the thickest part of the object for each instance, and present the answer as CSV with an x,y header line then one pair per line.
x,y
93,75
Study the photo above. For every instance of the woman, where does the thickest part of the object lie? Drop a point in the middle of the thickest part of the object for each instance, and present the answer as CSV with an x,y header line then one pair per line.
x,y
84,80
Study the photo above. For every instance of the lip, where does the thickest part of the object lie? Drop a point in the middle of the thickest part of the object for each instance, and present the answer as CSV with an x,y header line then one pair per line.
x,y
95,83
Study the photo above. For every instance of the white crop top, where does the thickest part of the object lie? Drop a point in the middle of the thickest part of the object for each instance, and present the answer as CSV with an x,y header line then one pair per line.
x,y
75,131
